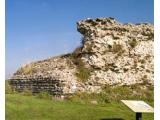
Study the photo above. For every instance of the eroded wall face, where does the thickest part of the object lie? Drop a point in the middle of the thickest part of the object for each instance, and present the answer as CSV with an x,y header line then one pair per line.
x,y
112,53
37,85
121,54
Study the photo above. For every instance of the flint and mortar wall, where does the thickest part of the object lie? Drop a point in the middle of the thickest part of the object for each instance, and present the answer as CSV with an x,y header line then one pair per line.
x,y
37,85
116,53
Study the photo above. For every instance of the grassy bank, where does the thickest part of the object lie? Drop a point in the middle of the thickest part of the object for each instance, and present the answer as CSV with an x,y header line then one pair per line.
x,y
20,107
80,106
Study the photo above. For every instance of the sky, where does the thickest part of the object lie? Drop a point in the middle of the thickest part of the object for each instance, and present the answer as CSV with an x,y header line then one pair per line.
x,y
39,29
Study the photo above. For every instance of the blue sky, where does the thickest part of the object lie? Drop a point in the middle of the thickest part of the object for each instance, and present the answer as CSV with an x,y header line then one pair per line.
x,y
38,29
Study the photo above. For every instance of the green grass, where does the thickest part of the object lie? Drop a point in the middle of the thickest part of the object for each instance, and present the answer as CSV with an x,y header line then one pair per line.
x,y
20,107
116,94
25,106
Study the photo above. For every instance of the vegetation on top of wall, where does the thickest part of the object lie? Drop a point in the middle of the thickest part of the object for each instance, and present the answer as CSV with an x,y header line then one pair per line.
x,y
28,69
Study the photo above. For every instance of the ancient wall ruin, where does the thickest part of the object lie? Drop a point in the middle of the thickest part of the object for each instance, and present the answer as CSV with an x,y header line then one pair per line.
x,y
112,53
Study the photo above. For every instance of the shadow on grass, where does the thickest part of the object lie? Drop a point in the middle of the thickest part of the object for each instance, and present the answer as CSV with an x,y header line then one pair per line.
x,y
111,119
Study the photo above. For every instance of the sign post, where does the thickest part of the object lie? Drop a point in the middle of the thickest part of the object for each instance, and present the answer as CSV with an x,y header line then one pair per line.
x,y
138,107
138,116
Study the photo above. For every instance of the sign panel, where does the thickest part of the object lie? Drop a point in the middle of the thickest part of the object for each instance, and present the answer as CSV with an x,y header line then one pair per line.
x,y
138,106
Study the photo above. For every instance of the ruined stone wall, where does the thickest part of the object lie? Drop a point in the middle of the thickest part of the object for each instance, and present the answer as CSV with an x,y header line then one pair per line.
x,y
37,85
121,54
114,53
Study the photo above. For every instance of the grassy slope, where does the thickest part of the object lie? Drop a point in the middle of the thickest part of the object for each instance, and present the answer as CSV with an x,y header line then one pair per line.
x,y
20,107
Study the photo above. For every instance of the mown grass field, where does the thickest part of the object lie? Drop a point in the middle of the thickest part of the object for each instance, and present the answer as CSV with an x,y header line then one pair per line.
x,y
25,106
20,107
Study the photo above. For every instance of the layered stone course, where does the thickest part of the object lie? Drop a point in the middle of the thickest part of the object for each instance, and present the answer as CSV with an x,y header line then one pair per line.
x,y
38,84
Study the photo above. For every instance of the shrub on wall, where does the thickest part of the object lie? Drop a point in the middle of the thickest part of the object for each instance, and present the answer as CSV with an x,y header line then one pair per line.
x,y
133,43
83,73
